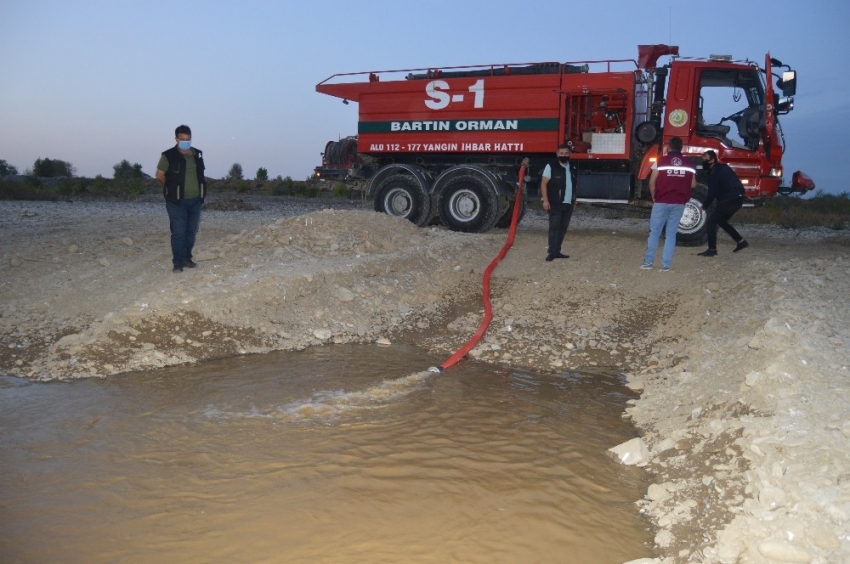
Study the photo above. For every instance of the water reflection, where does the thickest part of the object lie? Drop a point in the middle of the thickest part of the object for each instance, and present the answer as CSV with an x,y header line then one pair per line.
x,y
338,454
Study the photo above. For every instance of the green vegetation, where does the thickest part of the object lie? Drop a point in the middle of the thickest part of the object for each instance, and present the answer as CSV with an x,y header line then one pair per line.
x,y
340,190
129,182
51,168
235,172
7,169
125,171
824,210
53,179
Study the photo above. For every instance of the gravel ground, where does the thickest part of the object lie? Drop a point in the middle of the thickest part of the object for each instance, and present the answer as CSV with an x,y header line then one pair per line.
x,y
742,359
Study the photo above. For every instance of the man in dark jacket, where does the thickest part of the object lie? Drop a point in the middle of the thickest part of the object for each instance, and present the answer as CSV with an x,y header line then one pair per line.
x,y
558,189
181,172
725,187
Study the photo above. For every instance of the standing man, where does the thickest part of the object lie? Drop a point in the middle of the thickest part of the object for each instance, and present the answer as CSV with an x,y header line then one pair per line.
x,y
181,172
725,187
558,189
670,184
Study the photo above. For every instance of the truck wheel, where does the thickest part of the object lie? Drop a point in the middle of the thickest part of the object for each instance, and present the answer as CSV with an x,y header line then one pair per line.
x,y
505,220
402,196
468,205
692,231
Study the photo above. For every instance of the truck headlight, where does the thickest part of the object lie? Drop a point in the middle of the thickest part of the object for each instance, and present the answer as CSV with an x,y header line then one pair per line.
x,y
776,172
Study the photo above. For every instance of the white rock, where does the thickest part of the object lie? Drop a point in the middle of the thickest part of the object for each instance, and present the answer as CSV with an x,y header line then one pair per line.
x,y
777,327
384,342
630,452
345,295
753,378
824,538
664,538
322,334
783,551
657,492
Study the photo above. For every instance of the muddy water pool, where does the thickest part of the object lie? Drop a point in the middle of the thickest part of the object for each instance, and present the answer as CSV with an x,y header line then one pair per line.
x,y
348,454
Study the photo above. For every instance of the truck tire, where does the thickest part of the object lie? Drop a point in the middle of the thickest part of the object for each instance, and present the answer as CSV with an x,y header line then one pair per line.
x,y
402,196
505,220
467,204
692,229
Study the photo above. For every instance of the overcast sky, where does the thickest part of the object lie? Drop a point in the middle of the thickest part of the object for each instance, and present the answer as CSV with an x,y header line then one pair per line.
x,y
95,82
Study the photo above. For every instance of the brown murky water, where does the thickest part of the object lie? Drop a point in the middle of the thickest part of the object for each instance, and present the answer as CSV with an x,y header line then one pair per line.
x,y
339,454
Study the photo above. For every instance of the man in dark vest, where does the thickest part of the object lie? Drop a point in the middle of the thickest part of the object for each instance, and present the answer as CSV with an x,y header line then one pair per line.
x,y
181,172
558,189
725,187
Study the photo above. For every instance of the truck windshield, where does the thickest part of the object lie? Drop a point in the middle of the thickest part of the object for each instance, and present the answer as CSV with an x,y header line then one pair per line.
x,y
732,106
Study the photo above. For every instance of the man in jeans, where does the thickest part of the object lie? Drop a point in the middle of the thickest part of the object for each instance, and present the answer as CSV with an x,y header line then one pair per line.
x,y
670,184
181,172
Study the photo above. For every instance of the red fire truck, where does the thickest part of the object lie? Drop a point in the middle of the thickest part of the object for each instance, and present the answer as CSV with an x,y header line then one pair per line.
x,y
447,142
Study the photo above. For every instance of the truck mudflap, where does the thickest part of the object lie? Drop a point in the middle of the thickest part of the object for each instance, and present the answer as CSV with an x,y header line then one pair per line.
x,y
800,184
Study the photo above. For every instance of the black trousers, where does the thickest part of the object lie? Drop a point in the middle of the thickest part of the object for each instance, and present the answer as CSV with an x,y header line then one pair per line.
x,y
720,216
559,221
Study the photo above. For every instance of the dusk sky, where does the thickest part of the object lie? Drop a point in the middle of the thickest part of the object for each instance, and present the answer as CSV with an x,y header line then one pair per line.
x,y
95,82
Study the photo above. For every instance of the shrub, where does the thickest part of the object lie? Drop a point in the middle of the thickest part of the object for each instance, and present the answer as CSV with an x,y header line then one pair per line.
x,y
99,185
276,188
29,188
824,210
125,171
50,168
340,190
6,169
235,172
71,186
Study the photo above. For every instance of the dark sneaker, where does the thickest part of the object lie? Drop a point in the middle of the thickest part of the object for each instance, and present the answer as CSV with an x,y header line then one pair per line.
x,y
665,269
177,269
708,253
190,264
646,266
562,255
550,258
742,244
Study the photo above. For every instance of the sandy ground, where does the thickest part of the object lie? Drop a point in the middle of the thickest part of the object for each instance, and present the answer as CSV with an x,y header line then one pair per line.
x,y
742,359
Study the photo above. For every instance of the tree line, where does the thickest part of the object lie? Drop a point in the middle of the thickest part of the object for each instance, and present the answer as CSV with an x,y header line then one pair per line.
x,y
53,168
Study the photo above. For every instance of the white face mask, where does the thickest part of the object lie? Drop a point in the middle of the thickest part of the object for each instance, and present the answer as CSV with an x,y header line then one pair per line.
x,y
184,145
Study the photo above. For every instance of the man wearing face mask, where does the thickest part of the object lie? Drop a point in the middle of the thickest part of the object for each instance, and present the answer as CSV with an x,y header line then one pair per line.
x,y
725,187
181,172
558,189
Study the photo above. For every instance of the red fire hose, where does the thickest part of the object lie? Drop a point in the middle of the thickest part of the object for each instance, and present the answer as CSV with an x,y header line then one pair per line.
x,y
488,308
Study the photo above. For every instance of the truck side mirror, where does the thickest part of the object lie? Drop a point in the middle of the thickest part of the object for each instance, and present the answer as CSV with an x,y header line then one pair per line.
x,y
788,83
784,105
